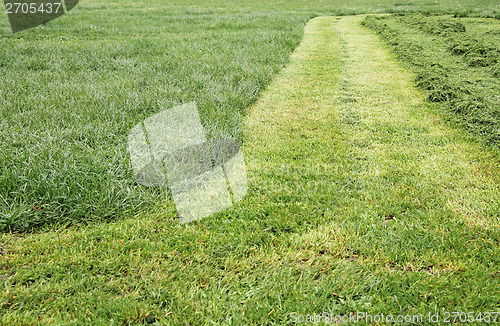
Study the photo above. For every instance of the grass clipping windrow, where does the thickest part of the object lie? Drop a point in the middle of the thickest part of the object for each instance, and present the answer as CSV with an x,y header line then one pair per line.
x,y
456,61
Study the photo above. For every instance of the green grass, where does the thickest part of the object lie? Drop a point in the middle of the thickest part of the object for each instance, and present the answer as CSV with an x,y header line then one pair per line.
x,y
456,61
73,88
361,199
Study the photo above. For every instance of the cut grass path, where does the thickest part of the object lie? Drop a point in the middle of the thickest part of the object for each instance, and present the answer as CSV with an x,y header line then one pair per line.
x,y
401,192
360,199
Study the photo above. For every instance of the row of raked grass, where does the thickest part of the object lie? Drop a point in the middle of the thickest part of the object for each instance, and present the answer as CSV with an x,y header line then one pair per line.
x,y
456,61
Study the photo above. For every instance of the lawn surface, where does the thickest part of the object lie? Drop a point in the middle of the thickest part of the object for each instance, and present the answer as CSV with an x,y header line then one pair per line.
x,y
361,199
73,88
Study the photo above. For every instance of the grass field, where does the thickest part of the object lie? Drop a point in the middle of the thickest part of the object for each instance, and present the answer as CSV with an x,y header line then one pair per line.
x,y
363,197
72,90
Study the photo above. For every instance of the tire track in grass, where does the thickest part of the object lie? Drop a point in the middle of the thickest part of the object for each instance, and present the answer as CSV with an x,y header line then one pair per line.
x,y
398,136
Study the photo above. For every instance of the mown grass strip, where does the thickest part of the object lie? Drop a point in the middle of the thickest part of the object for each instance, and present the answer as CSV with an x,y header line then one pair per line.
x,y
400,190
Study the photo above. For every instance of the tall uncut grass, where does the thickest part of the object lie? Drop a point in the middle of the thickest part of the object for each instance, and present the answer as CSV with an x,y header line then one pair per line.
x,y
456,60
